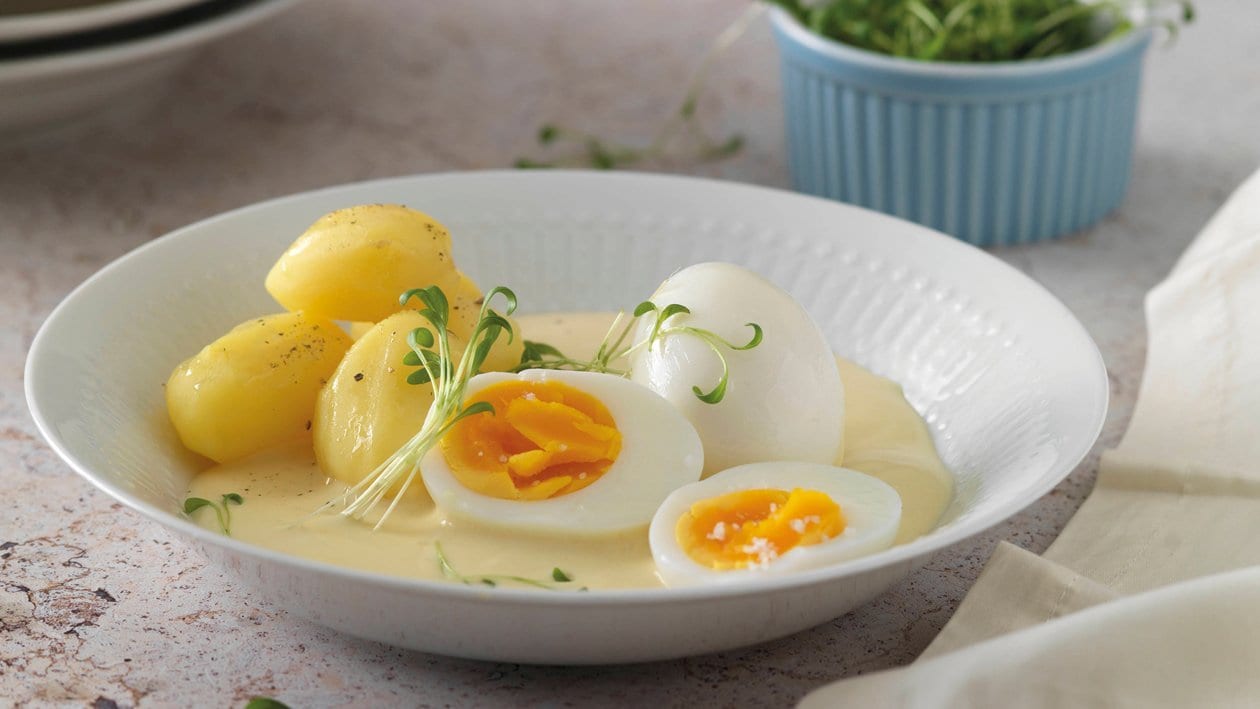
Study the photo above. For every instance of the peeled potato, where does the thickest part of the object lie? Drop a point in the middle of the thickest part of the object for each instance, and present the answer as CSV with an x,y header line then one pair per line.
x,y
354,263
255,386
368,410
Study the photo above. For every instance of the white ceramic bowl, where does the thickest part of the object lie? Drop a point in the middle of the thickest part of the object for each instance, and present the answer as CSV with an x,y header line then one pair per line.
x,y
49,93
85,17
1013,388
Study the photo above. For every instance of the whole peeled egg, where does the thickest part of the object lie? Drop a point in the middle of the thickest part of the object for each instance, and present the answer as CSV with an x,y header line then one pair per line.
x,y
784,400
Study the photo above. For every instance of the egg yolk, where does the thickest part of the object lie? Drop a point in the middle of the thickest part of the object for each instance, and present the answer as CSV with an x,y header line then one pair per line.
x,y
545,439
752,528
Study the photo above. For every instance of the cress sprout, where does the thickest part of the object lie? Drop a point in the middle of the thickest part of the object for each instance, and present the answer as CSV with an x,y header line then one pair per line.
x,y
438,369
222,513
492,580
588,150
613,348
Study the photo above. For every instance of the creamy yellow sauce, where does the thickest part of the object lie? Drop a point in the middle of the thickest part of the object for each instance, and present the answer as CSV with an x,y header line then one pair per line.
x,y
884,437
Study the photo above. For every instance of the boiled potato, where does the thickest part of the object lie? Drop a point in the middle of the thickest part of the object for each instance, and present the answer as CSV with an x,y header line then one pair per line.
x,y
368,410
255,386
354,263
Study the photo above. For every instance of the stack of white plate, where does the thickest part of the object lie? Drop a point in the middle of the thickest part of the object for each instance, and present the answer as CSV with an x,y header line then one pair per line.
x,y
66,62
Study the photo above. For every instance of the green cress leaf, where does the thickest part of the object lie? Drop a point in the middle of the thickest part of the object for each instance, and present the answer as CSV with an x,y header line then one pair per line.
x,y
538,352
436,300
756,338
193,504
509,297
480,407
673,309
560,576
265,703
529,352
418,377
234,498
411,359
493,320
644,308
713,397
420,338
433,317
408,295
543,349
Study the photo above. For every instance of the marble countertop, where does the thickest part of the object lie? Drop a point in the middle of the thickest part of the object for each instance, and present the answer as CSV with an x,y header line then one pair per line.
x,y
100,607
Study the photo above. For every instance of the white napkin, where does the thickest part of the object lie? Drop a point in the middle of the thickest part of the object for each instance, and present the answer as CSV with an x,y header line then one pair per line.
x,y
1151,595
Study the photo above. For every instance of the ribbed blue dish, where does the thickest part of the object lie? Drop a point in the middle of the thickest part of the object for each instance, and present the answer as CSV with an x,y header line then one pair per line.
x,y
993,154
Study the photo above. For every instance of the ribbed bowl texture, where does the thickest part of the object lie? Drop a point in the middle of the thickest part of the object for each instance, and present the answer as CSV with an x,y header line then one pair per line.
x,y
1011,386
994,154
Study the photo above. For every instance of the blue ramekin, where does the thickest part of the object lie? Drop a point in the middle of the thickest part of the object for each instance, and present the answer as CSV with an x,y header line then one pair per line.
x,y
994,154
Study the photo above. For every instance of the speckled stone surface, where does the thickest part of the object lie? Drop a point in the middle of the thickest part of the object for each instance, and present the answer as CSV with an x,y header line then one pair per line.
x,y
99,606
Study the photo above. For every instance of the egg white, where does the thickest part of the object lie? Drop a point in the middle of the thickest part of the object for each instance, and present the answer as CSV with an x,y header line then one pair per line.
x,y
784,399
660,451
871,508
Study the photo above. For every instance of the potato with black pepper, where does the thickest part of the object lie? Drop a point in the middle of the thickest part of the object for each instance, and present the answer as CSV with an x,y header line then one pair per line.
x,y
368,410
255,386
354,263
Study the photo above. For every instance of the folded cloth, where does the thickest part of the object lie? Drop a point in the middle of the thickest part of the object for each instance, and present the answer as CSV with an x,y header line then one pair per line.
x,y
1193,644
1016,590
1149,596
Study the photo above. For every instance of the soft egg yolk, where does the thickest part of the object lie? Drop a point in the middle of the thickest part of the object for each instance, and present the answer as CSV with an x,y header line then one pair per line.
x,y
752,528
545,439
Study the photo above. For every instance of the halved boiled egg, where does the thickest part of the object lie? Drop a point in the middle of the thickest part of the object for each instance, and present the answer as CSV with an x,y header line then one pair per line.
x,y
770,518
577,453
